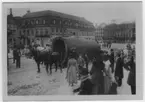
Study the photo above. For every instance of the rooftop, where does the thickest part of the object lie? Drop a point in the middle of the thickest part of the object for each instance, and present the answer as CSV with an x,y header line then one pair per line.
x,y
55,13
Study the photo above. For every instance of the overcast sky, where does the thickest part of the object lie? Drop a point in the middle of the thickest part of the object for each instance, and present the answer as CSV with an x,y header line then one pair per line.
x,y
94,12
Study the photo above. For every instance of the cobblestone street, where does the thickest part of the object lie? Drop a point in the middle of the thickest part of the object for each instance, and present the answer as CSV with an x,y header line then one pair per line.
x,y
26,80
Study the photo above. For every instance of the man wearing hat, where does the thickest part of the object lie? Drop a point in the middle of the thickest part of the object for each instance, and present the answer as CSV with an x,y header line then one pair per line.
x,y
86,84
74,53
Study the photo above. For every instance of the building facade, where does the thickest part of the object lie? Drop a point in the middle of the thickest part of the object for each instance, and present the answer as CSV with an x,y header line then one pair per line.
x,y
99,33
125,33
45,24
120,33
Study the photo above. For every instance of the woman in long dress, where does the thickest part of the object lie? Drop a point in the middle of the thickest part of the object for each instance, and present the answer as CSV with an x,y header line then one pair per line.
x,y
107,74
72,71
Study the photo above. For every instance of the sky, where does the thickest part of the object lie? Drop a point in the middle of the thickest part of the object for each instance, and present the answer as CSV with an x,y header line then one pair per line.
x,y
94,12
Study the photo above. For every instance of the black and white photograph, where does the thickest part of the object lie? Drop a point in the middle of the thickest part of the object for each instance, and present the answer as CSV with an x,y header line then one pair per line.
x,y
72,49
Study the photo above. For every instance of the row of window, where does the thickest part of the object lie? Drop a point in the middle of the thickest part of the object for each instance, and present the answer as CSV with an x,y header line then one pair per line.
x,y
44,31
55,22
11,26
41,31
123,35
86,34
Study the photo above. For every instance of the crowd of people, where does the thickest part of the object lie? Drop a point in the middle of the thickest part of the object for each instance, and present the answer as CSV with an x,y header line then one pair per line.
x,y
106,73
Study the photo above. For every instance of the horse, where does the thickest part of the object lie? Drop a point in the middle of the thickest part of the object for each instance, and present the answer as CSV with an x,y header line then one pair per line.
x,y
48,58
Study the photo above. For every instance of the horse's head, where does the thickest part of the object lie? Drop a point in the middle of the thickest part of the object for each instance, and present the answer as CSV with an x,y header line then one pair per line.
x,y
33,51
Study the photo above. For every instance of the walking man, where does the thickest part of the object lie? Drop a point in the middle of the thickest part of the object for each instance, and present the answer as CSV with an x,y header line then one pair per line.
x,y
18,56
14,55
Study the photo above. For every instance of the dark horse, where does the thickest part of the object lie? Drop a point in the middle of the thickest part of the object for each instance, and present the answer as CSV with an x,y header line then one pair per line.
x,y
48,58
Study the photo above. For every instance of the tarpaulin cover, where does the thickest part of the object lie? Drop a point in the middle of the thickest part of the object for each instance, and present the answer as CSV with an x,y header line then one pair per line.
x,y
82,46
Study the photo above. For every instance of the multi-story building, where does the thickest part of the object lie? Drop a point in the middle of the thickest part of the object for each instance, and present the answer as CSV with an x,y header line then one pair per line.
x,y
99,33
125,33
109,32
13,24
120,33
42,25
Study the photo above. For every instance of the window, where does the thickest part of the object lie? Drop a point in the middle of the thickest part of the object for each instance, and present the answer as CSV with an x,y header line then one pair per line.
x,y
40,21
28,32
46,31
37,21
32,32
20,32
24,22
56,29
54,21
41,31
60,30
32,22
70,23
66,23
44,22
76,24
24,31
52,29
36,31
29,22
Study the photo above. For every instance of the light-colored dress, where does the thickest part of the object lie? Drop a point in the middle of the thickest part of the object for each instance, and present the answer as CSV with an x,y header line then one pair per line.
x,y
39,48
72,71
107,76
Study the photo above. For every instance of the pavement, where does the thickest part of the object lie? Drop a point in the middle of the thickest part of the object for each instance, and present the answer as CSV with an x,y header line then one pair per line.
x,y
26,80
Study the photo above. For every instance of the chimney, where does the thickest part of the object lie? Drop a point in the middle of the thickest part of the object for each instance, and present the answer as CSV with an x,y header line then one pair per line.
x,y
28,11
11,12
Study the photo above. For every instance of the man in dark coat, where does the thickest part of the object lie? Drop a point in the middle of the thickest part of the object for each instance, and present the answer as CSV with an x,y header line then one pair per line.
x,y
14,55
131,67
97,76
112,60
18,56
119,69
